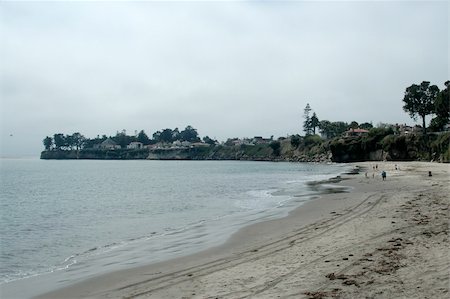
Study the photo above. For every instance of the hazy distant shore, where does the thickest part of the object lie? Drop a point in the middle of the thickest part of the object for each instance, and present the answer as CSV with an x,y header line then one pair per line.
x,y
383,239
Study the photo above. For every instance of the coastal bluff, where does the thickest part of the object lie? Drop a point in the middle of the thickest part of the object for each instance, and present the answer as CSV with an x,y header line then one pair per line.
x,y
260,152
309,149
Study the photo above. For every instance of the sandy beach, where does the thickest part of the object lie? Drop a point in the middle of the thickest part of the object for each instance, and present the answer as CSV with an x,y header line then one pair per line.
x,y
383,239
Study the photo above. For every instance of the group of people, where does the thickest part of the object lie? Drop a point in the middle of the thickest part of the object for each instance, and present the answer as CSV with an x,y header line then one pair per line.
x,y
383,173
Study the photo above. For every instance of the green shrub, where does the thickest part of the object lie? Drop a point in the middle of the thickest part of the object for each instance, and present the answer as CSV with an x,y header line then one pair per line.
x,y
441,148
295,141
275,146
312,140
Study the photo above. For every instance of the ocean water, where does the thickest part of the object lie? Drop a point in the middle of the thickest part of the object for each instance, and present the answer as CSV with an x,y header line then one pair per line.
x,y
83,218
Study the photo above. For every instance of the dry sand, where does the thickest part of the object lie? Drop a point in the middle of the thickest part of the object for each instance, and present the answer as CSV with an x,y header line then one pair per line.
x,y
384,239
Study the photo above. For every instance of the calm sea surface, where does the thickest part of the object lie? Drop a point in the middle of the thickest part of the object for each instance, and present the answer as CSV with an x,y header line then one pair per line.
x,y
83,218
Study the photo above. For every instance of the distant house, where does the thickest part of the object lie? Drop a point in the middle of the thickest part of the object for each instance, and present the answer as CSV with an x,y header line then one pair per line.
x,y
356,132
403,129
159,145
199,144
260,140
185,143
108,144
151,146
135,145
177,144
233,141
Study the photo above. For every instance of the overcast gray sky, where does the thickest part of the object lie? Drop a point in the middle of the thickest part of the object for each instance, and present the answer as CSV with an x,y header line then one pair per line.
x,y
229,69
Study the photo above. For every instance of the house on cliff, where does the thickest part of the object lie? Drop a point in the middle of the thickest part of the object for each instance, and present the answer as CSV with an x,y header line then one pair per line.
x,y
199,144
107,144
356,132
261,140
403,129
135,145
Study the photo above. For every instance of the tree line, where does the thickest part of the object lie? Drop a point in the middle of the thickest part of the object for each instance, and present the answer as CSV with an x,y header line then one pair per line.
x,y
77,141
424,99
327,128
420,100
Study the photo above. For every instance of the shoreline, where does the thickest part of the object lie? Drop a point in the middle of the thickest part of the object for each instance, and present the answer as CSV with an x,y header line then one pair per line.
x,y
292,255
41,283
310,212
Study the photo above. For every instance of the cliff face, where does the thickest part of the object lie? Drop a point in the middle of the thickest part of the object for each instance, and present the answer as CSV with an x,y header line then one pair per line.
x,y
91,154
310,149
392,148
259,152
218,152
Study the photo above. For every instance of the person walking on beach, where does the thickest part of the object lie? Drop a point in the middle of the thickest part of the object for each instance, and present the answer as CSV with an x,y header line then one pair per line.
x,y
383,175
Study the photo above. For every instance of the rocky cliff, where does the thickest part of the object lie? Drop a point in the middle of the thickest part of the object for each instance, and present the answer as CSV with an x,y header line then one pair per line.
x,y
96,154
374,147
434,147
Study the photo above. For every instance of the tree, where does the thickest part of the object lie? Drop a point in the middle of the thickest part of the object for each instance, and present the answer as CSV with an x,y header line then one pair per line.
x,y
208,140
123,139
157,136
295,141
325,129
307,123
77,140
142,137
339,127
90,143
59,140
419,101
354,125
189,134
166,136
314,122
175,134
48,142
68,142
332,129
441,109
366,126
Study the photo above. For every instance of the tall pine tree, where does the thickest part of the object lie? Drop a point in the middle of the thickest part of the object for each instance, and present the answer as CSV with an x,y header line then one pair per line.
x,y
307,127
314,122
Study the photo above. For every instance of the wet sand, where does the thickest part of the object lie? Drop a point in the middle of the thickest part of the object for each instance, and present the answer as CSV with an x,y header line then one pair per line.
x,y
383,239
